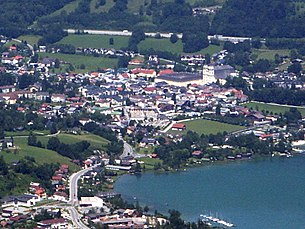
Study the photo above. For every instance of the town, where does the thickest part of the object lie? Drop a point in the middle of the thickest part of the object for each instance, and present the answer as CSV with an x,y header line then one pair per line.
x,y
122,120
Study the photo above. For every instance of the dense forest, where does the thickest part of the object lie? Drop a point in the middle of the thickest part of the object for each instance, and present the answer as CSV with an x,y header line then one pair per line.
x,y
17,15
260,18
257,18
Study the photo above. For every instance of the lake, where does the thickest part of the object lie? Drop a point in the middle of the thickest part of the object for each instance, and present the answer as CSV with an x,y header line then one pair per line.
x,y
267,193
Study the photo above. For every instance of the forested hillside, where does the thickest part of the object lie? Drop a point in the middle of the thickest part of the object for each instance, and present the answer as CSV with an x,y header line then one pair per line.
x,y
255,18
17,15
261,18
152,15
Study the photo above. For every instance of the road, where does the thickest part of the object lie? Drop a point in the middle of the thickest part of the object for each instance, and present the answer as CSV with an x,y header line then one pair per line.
x,y
75,218
73,182
73,200
128,151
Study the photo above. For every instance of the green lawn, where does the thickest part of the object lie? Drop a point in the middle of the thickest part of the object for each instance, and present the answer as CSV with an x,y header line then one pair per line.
x,y
203,126
148,150
96,142
276,109
30,39
165,45
269,54
25,133
102,41
41,155
95,41
91,63
150,162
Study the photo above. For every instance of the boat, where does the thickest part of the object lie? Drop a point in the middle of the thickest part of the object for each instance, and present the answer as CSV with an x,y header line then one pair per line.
x,y
215,221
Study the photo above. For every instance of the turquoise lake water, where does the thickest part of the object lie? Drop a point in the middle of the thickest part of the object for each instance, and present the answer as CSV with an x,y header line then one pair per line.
x,y
267,193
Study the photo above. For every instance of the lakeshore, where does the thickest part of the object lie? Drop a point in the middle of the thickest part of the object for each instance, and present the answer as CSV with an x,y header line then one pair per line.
x,y
259,193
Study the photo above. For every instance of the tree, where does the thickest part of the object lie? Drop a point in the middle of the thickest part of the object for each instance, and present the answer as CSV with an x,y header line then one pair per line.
x,y
123,61
53,143
3,166
2,135
57,63
262,65
256,43
295,68
32,140
175,221
174,38
111,41
218,108
146,209
207,58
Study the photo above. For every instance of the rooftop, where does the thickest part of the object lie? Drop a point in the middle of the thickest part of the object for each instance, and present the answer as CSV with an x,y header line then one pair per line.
x,y
180,77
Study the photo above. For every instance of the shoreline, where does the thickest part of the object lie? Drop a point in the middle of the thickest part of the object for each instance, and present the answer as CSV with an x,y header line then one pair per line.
x,y
205,164
159,204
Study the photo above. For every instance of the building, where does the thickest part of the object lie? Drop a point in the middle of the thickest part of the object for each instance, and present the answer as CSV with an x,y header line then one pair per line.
x,y
214,73
59,223
179,126
26,200
182,79
95,202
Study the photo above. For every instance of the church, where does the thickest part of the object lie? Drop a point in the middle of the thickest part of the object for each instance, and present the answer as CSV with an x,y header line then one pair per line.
x,y
210,74
214,73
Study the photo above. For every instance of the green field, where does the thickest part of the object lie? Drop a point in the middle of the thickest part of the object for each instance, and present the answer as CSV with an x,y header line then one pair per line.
x,y
149,163
91,63
30,39
41,155
203,126
102,41
269,53
96,142
95,41
276,109
25,133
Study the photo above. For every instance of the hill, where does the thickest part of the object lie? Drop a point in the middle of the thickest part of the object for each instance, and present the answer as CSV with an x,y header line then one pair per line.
x,y
17,15
260,18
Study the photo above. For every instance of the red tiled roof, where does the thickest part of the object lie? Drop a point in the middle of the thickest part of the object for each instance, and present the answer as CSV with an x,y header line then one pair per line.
x,y
165,72
142,70
56,177
53,221
179,126
149,89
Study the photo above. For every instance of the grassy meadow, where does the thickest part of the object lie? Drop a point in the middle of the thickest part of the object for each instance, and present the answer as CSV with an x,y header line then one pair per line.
x,y
102,41
275,109
203,126
41,155
91,63
96,142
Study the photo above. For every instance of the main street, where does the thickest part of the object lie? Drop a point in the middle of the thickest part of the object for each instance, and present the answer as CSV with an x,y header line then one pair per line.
x,y
73,200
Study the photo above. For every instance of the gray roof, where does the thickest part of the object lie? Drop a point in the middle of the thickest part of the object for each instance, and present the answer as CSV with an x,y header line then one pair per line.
x,y
180,77
223,71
